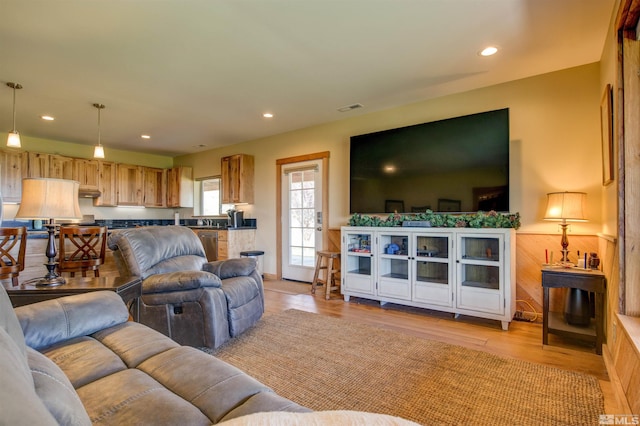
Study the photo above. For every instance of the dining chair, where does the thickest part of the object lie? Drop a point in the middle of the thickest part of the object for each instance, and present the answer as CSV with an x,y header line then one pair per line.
x,y
82,249
13,245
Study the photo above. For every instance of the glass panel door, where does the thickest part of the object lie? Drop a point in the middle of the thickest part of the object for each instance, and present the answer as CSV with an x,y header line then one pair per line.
x,y
301,210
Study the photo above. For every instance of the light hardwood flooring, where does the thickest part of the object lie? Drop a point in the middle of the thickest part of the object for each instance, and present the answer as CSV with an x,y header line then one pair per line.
x,y
523,340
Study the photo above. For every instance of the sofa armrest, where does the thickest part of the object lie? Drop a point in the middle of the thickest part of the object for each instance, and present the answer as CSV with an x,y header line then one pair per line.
x,y
56,320
244,266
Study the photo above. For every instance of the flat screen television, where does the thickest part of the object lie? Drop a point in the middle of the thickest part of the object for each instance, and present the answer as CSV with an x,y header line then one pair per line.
x,y
458,164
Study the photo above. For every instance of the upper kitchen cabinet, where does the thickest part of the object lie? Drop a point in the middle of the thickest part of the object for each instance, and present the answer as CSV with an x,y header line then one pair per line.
x,y
130,185
36,165
11,171
60,167
39,165
237,179
107,176
155,187
180,187
86,172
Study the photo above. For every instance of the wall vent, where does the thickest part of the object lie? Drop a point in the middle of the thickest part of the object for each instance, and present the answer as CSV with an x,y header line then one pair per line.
x,y
349,107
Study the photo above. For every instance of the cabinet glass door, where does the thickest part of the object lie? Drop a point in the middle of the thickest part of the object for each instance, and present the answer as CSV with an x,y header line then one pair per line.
x,y
433,269
394,278
479,273
358,263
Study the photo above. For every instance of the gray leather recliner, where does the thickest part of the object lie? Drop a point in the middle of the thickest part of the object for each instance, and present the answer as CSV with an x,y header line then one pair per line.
x,y
195,302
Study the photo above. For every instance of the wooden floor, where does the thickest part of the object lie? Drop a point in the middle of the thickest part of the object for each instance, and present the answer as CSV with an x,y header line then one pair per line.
x,y
522,341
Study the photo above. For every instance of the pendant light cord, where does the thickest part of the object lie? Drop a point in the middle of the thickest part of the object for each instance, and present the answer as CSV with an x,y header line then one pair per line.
x,y
14,109
99,107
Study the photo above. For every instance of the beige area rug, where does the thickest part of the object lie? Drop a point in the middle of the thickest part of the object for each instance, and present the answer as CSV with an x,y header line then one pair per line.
x,y
288,287
326,363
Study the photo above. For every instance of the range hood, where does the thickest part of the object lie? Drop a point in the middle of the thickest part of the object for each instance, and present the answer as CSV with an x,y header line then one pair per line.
x,y
88,191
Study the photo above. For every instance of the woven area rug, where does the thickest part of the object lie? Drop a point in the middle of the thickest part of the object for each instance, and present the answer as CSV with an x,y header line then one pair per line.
x,y
326,363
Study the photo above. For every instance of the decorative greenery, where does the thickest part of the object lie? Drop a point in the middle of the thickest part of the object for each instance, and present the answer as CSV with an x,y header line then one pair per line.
x,y
491,219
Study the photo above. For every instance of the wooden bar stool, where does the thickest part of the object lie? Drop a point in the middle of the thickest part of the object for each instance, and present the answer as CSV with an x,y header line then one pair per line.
x,y
329,261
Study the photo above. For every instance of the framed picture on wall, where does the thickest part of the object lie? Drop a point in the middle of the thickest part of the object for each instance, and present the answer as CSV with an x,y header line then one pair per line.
x,y
606,129
445,205
393,206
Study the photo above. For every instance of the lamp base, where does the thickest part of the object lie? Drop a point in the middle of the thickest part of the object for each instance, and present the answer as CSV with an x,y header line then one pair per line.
x,y
50,281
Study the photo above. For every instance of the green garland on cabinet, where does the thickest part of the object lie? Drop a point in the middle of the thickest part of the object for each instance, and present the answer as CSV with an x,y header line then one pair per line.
x,y
491,219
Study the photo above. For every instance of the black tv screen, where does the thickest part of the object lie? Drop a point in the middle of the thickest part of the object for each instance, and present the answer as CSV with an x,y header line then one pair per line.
x,y
454,165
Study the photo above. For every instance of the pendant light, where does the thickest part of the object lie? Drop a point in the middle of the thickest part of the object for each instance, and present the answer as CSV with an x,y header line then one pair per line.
x,y
98,151
13,141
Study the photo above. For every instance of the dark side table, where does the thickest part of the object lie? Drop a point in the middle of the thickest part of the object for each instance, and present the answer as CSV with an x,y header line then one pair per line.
x,y
554,322
129,288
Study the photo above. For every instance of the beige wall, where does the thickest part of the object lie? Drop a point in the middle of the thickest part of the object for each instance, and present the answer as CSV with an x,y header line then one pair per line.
x,y
555,146
608,65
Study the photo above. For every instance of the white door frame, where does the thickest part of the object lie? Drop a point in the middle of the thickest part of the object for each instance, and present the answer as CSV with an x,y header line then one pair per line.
x,y
324,156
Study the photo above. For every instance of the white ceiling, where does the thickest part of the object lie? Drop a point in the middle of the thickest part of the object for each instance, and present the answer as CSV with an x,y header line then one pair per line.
x,y
198,74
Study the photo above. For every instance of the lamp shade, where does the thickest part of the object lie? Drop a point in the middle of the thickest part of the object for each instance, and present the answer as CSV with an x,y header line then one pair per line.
x,y
566,206
45,198
98,151
13,140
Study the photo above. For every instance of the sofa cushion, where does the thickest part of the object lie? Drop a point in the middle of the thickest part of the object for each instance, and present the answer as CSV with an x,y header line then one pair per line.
x,y
9,322
131,397
133,342
55,391
84,360
240,291
56,320
19,403
215,387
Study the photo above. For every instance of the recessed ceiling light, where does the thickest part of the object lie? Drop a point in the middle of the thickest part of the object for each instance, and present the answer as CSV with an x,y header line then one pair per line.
x,y
488,51
267,115
145,136
47,117
389,168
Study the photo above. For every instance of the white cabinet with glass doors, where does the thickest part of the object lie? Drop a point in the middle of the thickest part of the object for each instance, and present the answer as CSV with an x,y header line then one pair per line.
x,y
394,269
486,283
433,269
358,263
459,270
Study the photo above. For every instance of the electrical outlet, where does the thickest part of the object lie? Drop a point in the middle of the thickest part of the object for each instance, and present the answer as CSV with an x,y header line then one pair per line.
x,y
518,316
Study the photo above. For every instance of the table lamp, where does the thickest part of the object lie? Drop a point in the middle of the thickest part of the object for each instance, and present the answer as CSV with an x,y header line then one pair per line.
x,y
566,207
45,198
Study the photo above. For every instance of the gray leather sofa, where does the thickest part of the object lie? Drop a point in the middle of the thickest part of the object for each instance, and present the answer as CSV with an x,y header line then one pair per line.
x,y
77,360
195,302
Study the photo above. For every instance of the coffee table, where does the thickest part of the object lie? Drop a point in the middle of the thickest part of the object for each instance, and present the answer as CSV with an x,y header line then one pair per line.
x,y
129,288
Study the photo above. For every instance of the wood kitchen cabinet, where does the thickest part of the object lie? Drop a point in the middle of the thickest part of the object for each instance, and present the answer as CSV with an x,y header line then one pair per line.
x,y
107,176
37,165
231,243
11,175
237,179
86,172
60,167
155,187
130,185
180,187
